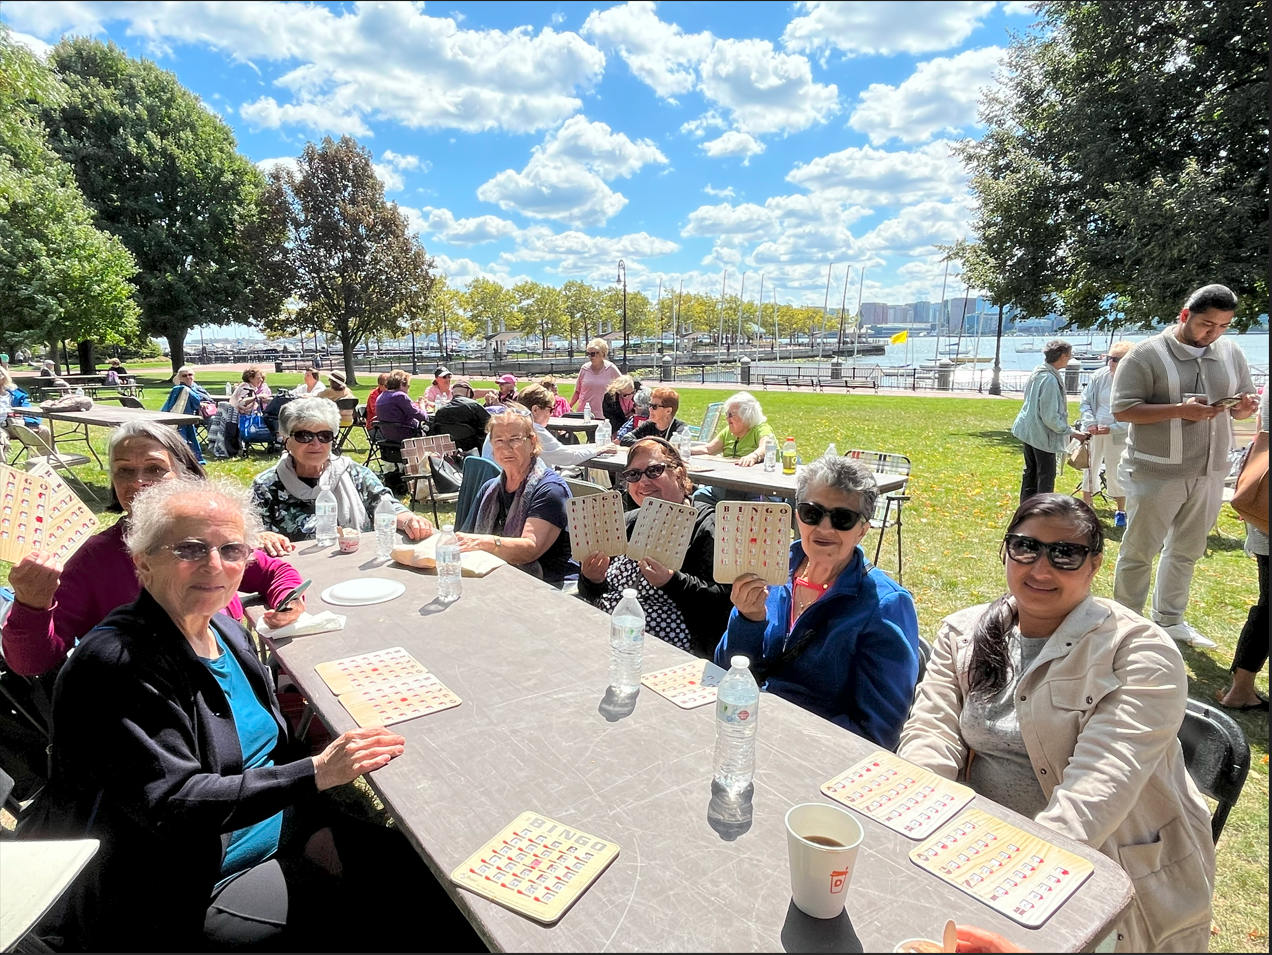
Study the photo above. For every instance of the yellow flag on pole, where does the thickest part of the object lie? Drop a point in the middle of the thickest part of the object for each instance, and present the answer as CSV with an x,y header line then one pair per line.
x,y
899,338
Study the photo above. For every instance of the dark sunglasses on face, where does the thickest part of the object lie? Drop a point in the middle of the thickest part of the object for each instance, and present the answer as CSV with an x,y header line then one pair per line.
x,y
1062,555
654,407
1113,359
841,518
653,472
592,354
196,550
308,437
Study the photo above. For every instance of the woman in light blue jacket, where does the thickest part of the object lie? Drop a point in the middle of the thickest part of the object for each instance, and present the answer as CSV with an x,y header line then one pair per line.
x,y
1042,425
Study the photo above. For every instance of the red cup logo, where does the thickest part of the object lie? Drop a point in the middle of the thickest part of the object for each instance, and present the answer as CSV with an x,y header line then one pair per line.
x,y
837,880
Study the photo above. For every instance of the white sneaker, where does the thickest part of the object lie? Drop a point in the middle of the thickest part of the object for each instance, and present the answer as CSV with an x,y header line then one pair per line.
x,y
1184,633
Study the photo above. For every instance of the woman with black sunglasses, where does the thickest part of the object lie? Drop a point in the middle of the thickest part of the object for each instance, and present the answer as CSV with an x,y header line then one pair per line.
x,y
841,639
1066,708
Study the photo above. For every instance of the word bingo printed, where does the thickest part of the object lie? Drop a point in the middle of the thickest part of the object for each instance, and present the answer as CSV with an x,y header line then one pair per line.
x,y
905,798
752,539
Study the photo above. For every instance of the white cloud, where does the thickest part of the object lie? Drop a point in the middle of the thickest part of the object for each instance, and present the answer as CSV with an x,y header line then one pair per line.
x,y
742,221
708,120
32,43
940,95
288,162
876,26
876,177
320,117
733,143
391,167
766,91
1019,8
659,54
578,253
725,193
443,224
596,147
402,162
917,228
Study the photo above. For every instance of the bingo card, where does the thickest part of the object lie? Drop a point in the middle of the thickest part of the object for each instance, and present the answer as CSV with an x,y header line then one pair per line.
x,y
663,531
752,539
595,523
1018,875
688,685
905,798
39,512
536,866
369,669
383,704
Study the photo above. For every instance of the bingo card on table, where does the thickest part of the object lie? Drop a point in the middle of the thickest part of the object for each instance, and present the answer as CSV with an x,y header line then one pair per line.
x,y
663,531
383,704
752,539
39,512
536,866
595,523
688,685
1020,876
905,798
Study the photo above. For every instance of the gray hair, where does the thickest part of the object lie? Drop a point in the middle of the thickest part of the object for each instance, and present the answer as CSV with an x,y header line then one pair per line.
x,y
306,411
152,509
183,459
642,399
748,407
841,474
1056,349
182,370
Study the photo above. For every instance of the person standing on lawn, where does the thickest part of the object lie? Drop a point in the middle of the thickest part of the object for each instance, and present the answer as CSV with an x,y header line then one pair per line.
x,y
1177,452
1108,435
1043,423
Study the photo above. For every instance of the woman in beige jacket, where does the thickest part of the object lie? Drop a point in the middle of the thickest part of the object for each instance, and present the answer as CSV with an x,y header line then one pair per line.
x,y
1067,708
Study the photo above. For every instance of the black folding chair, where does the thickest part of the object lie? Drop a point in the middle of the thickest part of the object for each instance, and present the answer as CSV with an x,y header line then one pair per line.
x,y
355,424
1217,756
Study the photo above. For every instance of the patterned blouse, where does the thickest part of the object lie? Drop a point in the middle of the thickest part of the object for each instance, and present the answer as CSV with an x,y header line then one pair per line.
x,y
284,514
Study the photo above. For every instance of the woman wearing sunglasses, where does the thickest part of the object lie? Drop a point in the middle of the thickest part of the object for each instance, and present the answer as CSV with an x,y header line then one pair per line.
x,y
594,377
285,494
685,607
1066,708
841,639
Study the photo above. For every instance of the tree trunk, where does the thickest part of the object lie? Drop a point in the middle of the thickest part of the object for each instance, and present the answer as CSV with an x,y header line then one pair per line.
x,y
176,350
346,346
87,357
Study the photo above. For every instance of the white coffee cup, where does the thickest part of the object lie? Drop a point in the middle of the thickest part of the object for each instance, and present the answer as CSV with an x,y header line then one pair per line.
x,y
821,874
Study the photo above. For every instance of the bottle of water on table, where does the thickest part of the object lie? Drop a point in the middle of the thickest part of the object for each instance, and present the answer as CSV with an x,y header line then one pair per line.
x,y
587,411
770,453
604,433
627,643
385,527
325,514
450,584
737,718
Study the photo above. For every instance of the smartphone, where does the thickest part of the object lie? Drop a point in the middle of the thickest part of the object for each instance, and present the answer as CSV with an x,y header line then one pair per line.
x,y
1226,402
286,601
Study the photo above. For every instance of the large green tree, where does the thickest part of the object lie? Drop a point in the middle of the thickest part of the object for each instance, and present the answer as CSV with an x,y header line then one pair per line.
x,y
165,176
60,276
1126,158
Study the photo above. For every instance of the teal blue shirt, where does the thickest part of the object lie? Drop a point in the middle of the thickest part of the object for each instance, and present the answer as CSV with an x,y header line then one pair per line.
x,y
258,736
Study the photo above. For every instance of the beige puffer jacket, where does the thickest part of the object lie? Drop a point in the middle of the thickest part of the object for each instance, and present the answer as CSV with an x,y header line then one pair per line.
x,y
1100,714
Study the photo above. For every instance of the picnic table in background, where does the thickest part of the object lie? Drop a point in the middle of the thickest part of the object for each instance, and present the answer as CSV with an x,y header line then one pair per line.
x,y
104,416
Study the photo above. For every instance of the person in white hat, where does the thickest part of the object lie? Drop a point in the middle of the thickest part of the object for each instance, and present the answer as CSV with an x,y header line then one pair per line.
x,y
440,389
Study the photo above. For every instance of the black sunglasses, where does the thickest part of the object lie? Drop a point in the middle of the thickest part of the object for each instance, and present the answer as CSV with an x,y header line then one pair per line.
x,y
841,518
308,437
195,550
653,472
1062,555
592,354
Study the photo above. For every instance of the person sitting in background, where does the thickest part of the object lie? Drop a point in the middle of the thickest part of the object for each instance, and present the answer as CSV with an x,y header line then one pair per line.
x,y
311,385
1108,435
1043,422
46,374
335,391
553,453
686,607
397,416
594,379
520,514
663,404
560,407
56,606
440,389
374,397
285,494
116,373
841,639
253,394
1066,708
507,385
188,397
620,401
640,414
12,398
741,440
462,418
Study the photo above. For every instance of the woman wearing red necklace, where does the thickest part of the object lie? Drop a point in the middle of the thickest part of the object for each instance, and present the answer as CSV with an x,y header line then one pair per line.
x,y
841,639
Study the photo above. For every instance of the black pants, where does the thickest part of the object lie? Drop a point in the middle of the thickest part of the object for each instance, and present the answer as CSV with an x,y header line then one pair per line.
x,y
1040,472
1252,646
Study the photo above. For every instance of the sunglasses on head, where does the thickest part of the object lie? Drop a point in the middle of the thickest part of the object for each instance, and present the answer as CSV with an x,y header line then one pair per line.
x,y
196,550
653,472
841,518
1062,555
308,437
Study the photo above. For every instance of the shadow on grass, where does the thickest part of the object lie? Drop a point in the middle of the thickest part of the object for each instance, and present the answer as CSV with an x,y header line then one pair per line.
x,y
1003,439
1221,542
1210,675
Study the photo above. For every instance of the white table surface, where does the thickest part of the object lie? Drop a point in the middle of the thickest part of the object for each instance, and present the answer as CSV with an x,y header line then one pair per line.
x,y
33,876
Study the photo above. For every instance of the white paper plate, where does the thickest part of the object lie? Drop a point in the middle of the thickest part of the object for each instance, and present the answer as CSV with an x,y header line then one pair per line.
x,y
362,591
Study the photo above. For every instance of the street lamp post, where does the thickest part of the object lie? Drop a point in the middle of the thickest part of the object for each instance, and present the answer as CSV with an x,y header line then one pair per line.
x,y
622,277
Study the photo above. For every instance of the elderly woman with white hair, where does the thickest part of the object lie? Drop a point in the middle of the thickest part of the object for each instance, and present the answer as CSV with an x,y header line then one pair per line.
x,y
286,493
741,440
189,397
594,377
841,639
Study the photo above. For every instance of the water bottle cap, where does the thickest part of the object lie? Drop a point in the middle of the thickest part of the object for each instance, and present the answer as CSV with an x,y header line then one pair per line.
x,y
740,662
448,528
629,592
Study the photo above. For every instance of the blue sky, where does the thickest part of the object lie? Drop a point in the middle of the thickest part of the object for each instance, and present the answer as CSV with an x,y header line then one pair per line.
x,y
548,140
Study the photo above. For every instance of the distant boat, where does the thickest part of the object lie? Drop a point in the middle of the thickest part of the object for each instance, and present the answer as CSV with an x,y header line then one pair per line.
x,y
1029,346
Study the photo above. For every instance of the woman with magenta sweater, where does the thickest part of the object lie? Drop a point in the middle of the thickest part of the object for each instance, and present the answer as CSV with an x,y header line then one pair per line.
x,y
54,606
841,639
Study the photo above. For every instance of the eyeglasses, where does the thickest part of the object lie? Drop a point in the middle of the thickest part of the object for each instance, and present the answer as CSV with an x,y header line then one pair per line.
x,y
653,472
626,394
841,518
513,442
192,551
1113,359
1062,555
732,414
308,437
592,354
654,407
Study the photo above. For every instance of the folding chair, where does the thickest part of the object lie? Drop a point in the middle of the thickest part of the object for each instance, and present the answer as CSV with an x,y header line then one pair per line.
x,y
419,467
39,452
128,401
357,423
1217,757
883,462
477,471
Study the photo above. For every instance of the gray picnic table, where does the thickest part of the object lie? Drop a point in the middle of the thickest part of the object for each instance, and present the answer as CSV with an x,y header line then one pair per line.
x,y
575,424
103,416
537,731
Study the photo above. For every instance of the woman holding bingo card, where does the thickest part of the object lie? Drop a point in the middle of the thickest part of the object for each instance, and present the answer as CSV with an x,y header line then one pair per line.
x,y
841,639
686,607
56,606
1072,705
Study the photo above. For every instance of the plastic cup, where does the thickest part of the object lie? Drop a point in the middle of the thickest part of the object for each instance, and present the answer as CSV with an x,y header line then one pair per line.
x,y
821,872
919,945
348,539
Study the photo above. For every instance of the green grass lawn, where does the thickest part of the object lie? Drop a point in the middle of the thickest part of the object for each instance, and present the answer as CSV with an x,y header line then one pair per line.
x,y
964,487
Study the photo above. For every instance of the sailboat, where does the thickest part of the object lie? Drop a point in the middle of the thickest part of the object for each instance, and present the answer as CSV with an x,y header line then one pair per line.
x,y
1029,346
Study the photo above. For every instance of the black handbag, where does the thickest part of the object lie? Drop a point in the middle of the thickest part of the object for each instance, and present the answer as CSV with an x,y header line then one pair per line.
x,y
446,477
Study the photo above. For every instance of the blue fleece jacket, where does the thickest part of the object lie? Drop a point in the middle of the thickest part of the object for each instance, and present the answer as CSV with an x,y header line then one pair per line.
x,y
861,667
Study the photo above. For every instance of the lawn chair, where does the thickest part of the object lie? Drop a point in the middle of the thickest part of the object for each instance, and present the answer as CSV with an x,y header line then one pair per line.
x,y
1217,756
882,462
477,471
419,467
358,423
583,488
39,452
710,426
128,401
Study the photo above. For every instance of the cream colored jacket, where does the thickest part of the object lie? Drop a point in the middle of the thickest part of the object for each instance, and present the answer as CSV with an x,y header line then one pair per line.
x,y
1100,713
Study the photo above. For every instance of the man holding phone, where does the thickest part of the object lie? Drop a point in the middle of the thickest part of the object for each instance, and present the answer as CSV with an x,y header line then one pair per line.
x,y
1177,452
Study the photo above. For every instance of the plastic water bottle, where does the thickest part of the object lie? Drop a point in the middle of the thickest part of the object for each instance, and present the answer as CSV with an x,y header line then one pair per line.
x,y
587,411
831,450
385,527
604,433
79,391
627,643
325,514
737,718
770,453
788,456
229,390
450,583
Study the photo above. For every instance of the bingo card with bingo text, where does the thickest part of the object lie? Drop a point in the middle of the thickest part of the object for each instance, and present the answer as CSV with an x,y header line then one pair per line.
x,y
688,685
595,523
752,538
905,798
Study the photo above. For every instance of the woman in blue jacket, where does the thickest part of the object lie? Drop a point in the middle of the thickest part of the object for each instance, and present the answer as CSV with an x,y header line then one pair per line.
x,y
186,397
841,639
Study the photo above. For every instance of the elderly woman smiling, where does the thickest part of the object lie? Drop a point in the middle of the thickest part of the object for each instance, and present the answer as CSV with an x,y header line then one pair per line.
x,y
285,494
520,515
185,775
841,639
